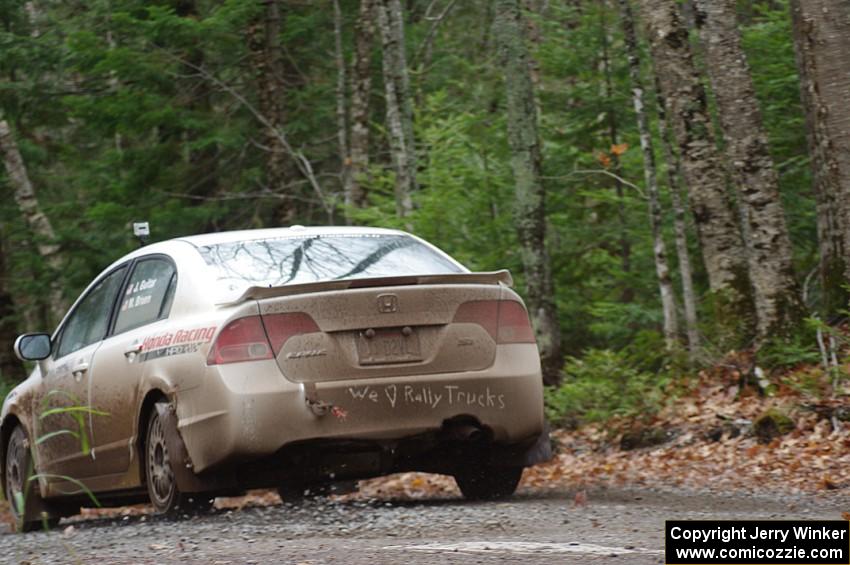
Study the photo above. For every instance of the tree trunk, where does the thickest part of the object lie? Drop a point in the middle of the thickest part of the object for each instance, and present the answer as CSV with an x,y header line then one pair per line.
x,y
38,223
822,41
265,51
776,294
530,194
628,292
399,109
341,110
401,77
535,35
361,89
662,269
718,227
680,228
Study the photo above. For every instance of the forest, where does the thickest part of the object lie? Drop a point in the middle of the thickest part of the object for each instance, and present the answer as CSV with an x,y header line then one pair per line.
x,y
667,180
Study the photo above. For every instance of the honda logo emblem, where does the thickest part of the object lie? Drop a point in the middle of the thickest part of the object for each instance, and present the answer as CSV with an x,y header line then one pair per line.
x,y
387,303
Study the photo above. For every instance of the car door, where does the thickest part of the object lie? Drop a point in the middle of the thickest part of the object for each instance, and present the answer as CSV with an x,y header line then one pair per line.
x,y
62,419
120,361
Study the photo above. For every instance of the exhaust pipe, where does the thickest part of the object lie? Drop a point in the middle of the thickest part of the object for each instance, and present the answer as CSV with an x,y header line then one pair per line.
x,y
466,433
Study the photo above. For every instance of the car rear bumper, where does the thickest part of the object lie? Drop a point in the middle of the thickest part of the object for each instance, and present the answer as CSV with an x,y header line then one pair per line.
x,y
249,411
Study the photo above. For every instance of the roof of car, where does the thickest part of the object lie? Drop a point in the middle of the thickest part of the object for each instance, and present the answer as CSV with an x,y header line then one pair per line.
x,y
245,235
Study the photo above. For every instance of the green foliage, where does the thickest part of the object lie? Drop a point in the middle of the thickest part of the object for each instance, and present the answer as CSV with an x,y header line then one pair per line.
x,y
5,388
602,385
791,351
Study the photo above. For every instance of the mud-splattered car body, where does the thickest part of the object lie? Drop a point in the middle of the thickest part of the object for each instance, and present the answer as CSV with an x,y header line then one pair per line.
x,y
294,356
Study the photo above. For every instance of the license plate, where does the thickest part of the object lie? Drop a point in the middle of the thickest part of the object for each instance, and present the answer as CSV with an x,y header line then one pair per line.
x,y
388,346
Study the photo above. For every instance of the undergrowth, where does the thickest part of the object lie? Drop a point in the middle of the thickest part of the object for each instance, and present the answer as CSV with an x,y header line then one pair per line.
x,y
604,384
636,382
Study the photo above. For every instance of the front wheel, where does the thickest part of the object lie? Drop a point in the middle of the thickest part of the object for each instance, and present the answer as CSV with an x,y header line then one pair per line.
x,y
485,482
22,489
165,497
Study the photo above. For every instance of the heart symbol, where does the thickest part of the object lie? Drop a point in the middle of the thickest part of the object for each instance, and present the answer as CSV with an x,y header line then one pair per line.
x,y
392,393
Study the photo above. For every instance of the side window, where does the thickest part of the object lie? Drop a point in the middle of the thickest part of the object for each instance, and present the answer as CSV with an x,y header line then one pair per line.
x,y
90,319
148,295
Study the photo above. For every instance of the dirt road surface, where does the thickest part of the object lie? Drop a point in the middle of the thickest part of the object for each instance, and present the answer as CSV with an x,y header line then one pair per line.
x,y
607,526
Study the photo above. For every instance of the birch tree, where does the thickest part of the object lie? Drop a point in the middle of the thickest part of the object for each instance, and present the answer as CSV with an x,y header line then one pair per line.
x,y
822,42
662,269
680,229
530,205
398,102
35,218
776,294
718,228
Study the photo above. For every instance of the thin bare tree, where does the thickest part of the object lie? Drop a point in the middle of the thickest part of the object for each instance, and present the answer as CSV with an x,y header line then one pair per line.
x,y
662,269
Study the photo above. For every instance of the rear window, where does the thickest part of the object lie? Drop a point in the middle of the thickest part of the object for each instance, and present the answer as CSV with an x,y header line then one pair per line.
x,y
305,259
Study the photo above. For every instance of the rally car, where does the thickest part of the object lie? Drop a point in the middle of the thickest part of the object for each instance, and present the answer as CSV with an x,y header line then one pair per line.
x,y
288,358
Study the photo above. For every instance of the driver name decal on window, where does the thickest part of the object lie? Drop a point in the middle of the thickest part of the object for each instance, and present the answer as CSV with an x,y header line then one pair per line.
x,y
147,296
134,296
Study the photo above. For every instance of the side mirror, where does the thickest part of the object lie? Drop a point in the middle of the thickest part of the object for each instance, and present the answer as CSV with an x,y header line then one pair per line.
x,y
33,347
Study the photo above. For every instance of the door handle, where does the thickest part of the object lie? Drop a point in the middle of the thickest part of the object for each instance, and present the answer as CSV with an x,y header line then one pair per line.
x,y
133,350
79,371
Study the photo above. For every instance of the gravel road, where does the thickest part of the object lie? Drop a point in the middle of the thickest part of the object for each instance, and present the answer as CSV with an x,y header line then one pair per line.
x,y
612,527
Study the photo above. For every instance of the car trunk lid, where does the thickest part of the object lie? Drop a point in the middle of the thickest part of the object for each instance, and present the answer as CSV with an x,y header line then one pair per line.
x,y
371,328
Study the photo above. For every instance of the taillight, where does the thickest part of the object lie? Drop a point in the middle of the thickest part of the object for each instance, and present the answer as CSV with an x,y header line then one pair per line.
x,y
255,338
505,320
241,340
281,327
514,325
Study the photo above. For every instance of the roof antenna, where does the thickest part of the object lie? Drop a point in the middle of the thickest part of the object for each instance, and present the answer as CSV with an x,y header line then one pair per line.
x,y
142,230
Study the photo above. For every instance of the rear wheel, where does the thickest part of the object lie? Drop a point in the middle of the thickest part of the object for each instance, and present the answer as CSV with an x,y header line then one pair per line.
x,y
23,492
165,497
484,482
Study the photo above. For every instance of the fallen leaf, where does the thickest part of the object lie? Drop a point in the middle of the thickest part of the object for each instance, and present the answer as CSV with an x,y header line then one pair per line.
x,y
580,498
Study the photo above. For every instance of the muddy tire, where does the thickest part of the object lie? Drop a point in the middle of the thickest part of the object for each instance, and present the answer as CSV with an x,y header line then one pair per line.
x,y
488,483
27,507
163,492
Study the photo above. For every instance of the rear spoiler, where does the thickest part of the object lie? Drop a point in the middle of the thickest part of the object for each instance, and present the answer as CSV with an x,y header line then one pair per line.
x,y
260,292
